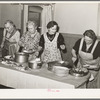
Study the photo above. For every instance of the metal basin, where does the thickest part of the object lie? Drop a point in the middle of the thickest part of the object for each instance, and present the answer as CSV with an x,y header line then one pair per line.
x,y
35,64
78,72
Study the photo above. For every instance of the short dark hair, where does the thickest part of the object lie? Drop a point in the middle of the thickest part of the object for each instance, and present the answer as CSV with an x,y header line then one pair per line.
x,y
91,34
51,24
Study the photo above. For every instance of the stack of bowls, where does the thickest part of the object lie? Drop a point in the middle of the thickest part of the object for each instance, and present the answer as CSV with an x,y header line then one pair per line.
x,y
35,64
61,71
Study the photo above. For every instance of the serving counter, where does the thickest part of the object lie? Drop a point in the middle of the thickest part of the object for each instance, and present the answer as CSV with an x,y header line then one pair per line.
x,y
39,79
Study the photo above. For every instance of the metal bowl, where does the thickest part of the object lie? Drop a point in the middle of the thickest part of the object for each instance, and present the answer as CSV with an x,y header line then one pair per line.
x,y
35,64
78,73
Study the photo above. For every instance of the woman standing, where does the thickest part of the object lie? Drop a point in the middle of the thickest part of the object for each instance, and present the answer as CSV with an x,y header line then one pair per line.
x,y
86,53
10,40
30,40
51,44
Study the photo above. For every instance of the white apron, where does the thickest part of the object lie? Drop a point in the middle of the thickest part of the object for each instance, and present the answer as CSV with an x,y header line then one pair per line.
x,y
89,56
51,52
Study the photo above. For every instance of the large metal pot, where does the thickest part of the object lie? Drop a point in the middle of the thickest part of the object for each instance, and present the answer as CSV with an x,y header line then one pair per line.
x,y
21,57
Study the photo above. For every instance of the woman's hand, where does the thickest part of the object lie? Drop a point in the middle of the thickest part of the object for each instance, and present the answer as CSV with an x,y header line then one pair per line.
x,y
39,48
26,47
62,47
21,44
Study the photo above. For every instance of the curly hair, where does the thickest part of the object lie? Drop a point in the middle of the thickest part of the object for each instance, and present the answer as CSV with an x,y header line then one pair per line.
x,y
31,23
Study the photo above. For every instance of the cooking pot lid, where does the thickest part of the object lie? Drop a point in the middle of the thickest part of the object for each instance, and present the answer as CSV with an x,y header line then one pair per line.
x,y
29,52
21,53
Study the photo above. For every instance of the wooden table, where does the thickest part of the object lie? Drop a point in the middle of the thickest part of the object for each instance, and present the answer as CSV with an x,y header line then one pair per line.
x,y
38,79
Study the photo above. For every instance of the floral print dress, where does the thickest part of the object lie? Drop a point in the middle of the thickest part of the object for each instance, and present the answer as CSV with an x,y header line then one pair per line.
x,y
51,52
30,42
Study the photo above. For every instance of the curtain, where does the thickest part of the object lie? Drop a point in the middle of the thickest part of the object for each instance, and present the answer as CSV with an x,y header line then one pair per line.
x,y
25,17
47,15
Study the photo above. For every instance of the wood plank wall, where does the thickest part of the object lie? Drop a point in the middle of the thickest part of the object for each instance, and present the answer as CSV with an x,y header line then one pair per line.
x,y
70,40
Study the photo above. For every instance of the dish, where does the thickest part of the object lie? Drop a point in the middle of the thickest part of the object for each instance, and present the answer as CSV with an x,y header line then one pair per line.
x,y
60,71
29,52
58,63
78,72
8,57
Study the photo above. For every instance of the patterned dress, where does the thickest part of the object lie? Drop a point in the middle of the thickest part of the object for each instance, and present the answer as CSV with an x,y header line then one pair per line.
x,y
30,42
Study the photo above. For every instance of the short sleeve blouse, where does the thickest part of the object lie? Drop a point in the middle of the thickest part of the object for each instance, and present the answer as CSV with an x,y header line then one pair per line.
x,y
96,52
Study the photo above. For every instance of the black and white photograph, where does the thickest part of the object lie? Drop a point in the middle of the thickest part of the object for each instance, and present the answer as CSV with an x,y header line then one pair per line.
x,y
52,46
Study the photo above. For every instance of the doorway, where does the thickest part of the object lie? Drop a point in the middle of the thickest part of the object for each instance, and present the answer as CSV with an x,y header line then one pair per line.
x,y
34,13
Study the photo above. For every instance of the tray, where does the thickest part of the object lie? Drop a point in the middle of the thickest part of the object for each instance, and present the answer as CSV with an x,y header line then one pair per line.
x,y
8,58
78,73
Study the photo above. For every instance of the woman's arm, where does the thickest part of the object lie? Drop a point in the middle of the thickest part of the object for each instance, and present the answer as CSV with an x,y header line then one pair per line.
x,y
93,62
74,56
61,43
22,40
17,38
41,45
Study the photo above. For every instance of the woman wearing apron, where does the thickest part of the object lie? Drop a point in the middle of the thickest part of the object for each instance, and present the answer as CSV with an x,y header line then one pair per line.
x,y
86,53
30,40
10,40
51,44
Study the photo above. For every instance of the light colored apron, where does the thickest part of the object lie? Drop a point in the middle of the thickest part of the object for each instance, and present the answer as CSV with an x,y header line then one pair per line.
x,y
87,56
51,52
83,56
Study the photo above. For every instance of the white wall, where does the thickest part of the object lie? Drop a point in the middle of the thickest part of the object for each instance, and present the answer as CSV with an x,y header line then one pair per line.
x,y
75,18
10,12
